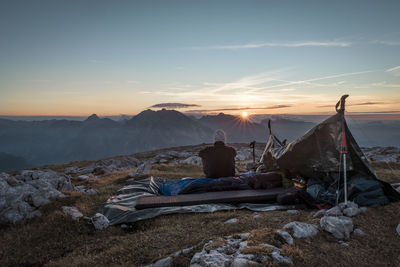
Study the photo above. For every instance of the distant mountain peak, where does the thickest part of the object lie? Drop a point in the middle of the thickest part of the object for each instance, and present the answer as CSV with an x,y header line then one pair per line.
x,y
93,117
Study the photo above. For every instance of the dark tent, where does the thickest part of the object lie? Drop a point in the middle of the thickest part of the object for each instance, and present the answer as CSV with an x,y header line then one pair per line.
x,y
318,154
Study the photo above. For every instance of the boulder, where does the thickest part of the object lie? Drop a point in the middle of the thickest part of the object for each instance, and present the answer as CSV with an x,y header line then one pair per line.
x,y
351,211
349,204
166,262
213,258
340,227
285,236
281,259
243,262
22,194
301,229
73,212
398,229
100,221
335,211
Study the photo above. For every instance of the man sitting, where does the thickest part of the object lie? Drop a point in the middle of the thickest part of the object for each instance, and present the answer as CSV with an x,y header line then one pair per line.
x,y
218,160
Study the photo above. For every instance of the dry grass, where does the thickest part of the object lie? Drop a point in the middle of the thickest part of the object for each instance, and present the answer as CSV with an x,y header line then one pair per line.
x,y
54,239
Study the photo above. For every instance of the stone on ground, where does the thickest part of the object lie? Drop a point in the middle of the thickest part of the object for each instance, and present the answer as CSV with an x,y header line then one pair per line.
x,y
398,229
285,236
340,227
358,231
233,220
73,212
100,221
21,194
301,229
335,211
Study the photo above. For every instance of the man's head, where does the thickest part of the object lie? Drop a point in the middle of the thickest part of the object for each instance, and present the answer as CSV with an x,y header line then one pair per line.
x,y
219,136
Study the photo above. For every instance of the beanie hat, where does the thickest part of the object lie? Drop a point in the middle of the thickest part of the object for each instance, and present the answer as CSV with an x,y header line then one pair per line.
x,y
219,136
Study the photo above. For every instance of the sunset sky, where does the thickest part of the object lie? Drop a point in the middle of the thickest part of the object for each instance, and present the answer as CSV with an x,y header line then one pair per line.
x,y
121,57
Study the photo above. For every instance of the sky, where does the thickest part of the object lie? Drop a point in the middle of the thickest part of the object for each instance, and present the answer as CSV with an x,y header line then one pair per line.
x,y
76,58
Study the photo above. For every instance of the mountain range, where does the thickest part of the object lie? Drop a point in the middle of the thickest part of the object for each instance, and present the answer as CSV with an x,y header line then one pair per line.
x,y
32,143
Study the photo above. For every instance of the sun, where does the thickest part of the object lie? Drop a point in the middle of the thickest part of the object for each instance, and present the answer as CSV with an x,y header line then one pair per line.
x,y
244,115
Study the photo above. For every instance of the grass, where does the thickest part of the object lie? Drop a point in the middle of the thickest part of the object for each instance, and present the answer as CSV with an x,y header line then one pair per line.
x,y
54,239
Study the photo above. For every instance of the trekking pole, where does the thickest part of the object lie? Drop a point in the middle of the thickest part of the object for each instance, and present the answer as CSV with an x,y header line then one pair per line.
x,y
252,145
344,152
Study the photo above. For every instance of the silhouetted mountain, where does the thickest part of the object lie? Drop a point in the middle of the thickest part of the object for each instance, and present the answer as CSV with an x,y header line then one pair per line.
x,y
237,129
56,141
10,162
164,128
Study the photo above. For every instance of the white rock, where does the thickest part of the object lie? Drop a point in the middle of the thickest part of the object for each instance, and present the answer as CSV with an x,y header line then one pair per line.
x,y
286,236
398,229
351,211
72,211
233,220
345,244
21,194
243,262
100,221
73,170
335,211
279,258
340,227
166,262
211,259
256,215
301,229
349,204
82,177
358,231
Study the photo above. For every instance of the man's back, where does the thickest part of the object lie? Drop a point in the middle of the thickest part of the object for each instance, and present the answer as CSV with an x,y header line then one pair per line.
x,y
218,160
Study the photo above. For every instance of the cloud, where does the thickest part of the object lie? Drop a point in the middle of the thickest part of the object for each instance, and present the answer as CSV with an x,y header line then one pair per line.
x,y
272,44
238,109
369,104
391,43
393,69
357,104
174,105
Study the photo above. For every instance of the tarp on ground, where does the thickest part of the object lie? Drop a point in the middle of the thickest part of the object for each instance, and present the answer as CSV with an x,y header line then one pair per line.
x,y
121,207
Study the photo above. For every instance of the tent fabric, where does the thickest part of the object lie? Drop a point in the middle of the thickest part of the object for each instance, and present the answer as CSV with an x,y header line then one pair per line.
x,y
317,154
121,207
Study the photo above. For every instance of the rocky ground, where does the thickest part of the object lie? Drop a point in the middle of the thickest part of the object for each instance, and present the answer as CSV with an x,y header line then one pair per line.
x,y
48,217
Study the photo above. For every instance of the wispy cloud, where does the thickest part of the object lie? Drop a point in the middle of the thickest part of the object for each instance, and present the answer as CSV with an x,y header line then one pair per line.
x,y
174,105
393,69
275,44
358,104
238,109
384,42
